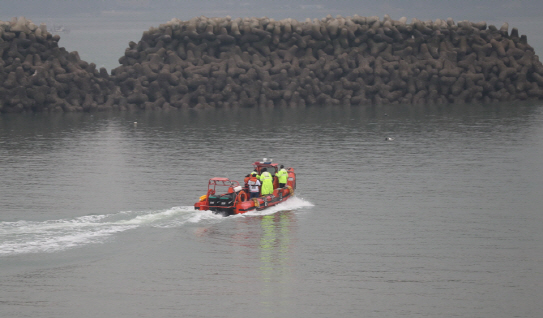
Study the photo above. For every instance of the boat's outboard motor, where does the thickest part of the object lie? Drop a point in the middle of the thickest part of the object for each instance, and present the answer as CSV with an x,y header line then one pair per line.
x,y
226,202
214,202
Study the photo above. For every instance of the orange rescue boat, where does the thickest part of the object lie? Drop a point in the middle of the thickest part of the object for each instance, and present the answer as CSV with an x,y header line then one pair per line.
x,y
228,197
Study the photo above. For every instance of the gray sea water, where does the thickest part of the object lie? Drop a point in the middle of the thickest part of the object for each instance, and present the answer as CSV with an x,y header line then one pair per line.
x,y
96,216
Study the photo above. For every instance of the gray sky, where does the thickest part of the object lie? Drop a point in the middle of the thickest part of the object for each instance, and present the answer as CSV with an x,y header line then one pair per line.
x,y
299,9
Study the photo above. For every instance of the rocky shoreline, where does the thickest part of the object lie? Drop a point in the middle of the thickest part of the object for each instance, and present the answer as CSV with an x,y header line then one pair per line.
x,y
260,62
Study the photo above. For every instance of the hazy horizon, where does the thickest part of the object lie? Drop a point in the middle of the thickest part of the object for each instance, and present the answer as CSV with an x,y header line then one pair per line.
x,y
297,9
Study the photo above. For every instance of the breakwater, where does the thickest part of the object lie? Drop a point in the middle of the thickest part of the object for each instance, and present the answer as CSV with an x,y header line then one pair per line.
x,y
37,75
223,62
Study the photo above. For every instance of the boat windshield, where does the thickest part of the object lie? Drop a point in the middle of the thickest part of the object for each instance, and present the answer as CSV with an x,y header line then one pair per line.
x,y
271,168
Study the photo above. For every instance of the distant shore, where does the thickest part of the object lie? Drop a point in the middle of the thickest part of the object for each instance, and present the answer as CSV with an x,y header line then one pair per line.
x,y
260,62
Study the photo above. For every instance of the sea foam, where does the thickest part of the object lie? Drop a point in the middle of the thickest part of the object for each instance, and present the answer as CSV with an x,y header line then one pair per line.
x,y
48,236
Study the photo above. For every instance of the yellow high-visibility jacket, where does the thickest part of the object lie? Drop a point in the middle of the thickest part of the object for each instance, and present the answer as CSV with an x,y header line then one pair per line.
x,y
267,183
282,175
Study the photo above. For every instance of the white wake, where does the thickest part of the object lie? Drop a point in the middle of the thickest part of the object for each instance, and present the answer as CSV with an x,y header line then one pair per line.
x,y
22,237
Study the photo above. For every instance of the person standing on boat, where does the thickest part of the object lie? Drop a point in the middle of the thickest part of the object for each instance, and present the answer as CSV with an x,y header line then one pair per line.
x,y
246,180
267,182
255,174
253,186
282,176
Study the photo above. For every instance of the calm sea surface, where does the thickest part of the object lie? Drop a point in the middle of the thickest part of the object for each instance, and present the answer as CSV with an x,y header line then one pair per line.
x,y
96,216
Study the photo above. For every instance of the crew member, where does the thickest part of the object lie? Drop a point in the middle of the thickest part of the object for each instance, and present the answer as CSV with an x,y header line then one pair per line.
x,y
253,186
267,182
246,180
282,177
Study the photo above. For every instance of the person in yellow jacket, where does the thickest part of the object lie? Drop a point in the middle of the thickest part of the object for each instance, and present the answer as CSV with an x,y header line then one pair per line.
x,y
254,173
267,182
282,177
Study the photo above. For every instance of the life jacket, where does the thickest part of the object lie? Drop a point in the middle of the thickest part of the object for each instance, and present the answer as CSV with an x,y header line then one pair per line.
x,y
253,187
